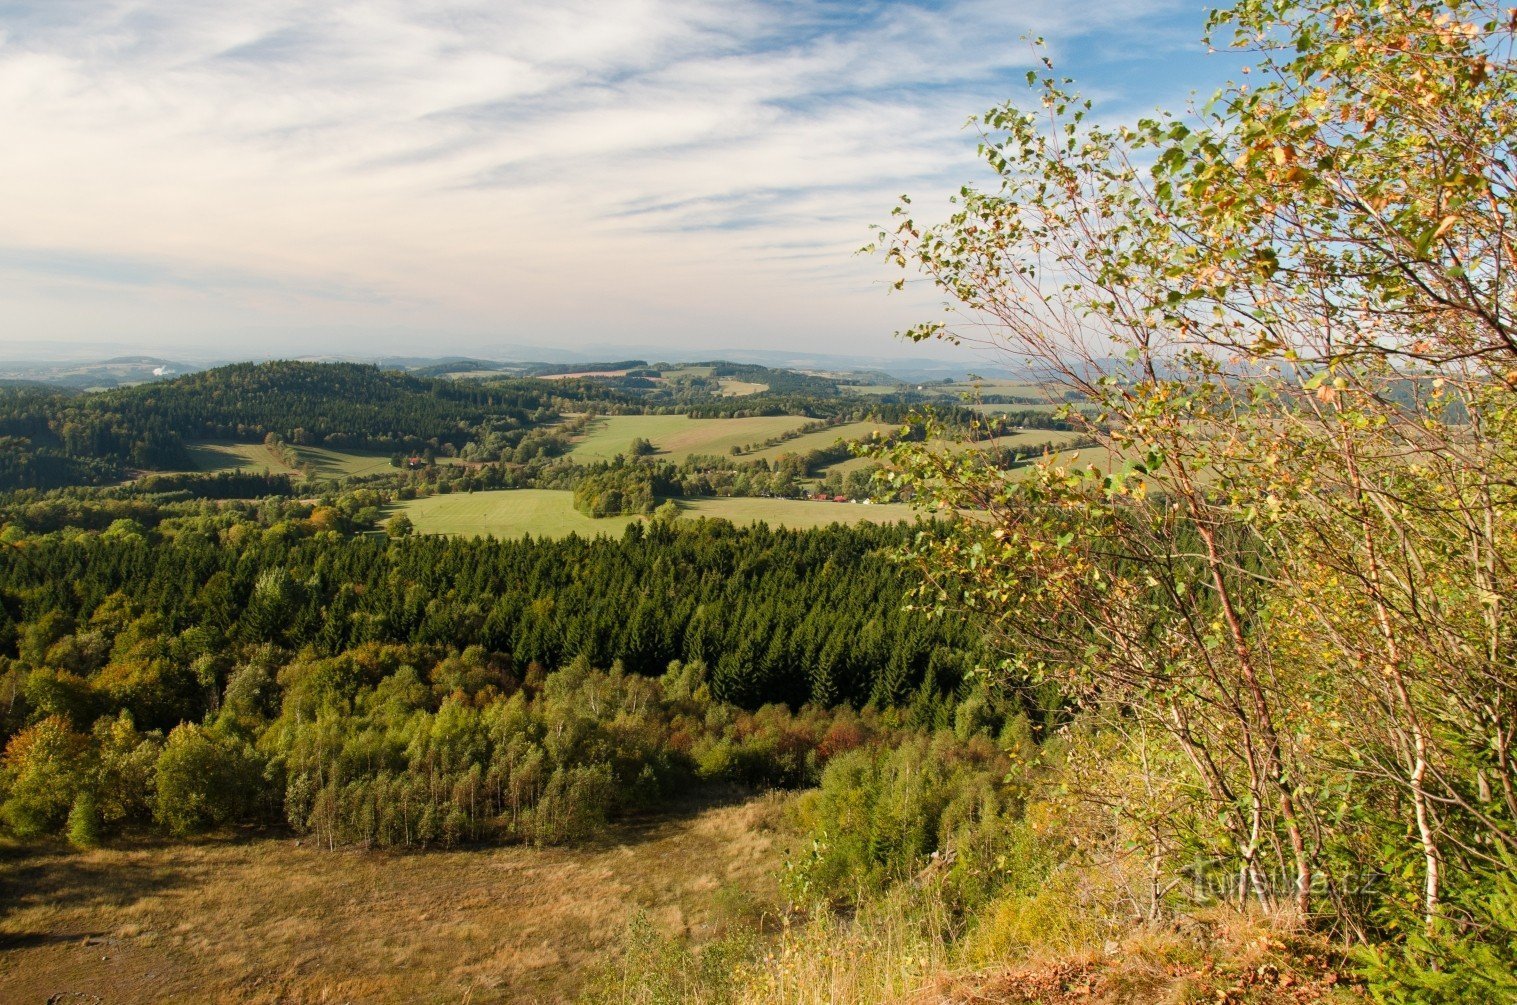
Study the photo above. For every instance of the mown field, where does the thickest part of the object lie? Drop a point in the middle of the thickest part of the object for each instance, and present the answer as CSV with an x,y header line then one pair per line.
x,y
551,513
268,920
679,436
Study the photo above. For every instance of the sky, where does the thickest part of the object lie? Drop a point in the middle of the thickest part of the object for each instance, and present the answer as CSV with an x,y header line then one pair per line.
x,y
429,177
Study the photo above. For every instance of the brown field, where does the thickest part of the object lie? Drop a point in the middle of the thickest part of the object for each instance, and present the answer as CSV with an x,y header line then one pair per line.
x,y
262,920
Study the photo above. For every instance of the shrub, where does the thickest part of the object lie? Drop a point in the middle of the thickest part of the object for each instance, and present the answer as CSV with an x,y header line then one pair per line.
x,y
203,780
45,767
84,821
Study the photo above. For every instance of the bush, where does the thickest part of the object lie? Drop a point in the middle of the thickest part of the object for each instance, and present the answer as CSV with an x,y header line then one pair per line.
x,y
203,780
84,821
45,767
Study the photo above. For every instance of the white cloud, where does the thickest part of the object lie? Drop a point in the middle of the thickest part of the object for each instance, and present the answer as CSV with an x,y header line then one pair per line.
x,y
616,169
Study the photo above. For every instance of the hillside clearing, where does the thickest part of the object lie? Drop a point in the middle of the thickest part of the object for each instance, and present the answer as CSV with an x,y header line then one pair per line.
x,y
734,388
796,514
269,920
508,513
214,456
851,432
677,437
254,458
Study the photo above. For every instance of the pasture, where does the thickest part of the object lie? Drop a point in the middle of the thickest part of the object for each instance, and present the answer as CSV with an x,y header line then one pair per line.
x,y
677,437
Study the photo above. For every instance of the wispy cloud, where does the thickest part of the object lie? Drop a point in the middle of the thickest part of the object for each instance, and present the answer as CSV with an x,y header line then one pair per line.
x,y
618,168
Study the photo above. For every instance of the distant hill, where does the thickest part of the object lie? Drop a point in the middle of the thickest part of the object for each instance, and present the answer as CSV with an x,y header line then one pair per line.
x,y
50,437
118,371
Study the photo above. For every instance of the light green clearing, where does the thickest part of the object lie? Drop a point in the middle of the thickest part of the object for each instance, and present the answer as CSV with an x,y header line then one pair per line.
x,y
871,388
850,465
479,374
509,513
734,388
1011,388
324,463
686,372
798,514
851,432
1028,441
255,458
991,409
1076,460
218,456
678,436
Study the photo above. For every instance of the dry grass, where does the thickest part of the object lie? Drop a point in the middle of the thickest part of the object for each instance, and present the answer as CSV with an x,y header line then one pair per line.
x,y
265,920
1222,957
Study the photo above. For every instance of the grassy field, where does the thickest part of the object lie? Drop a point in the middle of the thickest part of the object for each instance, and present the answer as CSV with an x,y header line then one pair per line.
x,y
989,409
799,514
326,463
217,456
734,388
1030,441
268,920
844,467
679,436
1010,388
550,513
508,513
850,432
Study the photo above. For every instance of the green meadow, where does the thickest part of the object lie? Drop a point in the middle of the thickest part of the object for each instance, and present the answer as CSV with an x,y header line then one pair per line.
x,y
551,513
677,437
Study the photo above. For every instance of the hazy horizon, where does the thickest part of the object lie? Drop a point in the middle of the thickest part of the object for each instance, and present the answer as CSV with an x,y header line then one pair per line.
x,y
365,177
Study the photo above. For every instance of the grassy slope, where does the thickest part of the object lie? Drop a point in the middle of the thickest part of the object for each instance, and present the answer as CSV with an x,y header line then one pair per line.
x,y
679,436
508,513
850,432
217,456
263,921
796,513
550,513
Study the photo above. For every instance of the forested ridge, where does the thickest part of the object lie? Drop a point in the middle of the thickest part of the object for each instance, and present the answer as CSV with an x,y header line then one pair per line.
x,y
52,438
